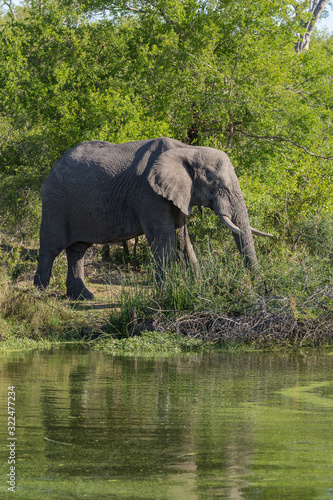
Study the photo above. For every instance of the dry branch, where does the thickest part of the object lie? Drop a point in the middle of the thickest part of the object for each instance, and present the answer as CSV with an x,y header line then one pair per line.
x,y
272,320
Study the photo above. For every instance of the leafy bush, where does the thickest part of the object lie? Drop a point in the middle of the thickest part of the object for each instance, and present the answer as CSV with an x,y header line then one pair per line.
x,y
17,261
316,234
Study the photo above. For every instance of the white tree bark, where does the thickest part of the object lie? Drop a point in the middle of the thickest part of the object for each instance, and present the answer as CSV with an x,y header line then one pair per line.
x,y
316,8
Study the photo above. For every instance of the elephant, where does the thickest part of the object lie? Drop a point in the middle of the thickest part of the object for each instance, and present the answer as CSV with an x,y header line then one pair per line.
x,y
99,192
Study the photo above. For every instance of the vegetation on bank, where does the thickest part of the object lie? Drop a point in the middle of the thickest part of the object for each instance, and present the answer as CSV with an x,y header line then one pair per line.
x,y
290,304
224,74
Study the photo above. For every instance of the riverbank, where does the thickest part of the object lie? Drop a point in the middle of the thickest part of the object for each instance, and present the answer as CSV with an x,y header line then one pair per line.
x,y
289,305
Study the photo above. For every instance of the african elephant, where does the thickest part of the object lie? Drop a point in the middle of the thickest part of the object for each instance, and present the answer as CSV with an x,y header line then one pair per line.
x,y
100,192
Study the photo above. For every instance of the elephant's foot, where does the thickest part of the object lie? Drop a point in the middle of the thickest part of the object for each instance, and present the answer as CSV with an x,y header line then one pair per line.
x,y
79,293
40,284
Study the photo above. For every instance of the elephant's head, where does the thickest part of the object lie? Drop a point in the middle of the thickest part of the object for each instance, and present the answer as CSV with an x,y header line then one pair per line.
x,y
205,177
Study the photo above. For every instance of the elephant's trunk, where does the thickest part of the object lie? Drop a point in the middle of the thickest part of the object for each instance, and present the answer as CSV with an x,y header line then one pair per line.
x,y
234,215
245,246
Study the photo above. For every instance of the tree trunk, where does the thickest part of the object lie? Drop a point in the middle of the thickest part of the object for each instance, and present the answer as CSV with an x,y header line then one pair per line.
x,y
316,9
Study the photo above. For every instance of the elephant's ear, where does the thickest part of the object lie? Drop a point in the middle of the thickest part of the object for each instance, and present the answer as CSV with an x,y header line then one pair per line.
x,y
171,176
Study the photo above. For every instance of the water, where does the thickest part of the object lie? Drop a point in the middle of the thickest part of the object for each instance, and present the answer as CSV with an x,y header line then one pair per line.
x,y
89,425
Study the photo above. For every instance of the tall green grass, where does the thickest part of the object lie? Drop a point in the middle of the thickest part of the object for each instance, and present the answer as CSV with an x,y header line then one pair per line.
x,y
295,284
216,288
298,285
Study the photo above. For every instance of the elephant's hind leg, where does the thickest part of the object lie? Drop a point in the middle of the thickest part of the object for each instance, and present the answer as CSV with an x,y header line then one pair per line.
x,y
44,269
76,287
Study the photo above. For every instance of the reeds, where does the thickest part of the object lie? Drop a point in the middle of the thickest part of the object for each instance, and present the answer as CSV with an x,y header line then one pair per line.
x,y
289,304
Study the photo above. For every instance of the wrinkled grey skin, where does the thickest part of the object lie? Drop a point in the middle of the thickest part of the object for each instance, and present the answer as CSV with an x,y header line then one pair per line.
x,y
100,192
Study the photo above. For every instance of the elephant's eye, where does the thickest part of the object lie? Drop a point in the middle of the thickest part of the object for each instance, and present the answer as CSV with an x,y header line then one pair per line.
x,y
211,176
213,185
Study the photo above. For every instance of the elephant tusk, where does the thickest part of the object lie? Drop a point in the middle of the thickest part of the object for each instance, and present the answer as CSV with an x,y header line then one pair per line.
x,y
260,233
230,224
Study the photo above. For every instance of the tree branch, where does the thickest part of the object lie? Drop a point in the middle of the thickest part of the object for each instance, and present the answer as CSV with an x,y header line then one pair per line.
x,y
279,138
10,7
231,131
134,9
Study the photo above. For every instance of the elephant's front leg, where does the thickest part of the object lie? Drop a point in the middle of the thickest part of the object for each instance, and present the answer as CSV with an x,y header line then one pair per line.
x,y
76,287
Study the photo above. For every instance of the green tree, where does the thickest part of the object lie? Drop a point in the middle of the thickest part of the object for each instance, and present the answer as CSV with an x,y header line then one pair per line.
x,y
222,74
60,85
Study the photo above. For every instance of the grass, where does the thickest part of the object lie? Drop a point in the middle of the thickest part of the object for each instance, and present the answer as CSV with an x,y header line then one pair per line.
x,y
289,304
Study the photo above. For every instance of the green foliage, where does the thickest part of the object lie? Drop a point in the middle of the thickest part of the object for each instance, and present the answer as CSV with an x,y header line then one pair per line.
x,y
16,261
152,343
316,234
22,344
59,273
30,316
293,287
222,74
223,285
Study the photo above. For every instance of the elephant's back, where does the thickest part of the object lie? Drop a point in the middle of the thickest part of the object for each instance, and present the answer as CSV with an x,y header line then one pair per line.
x,y
97,155
87,166
94,164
